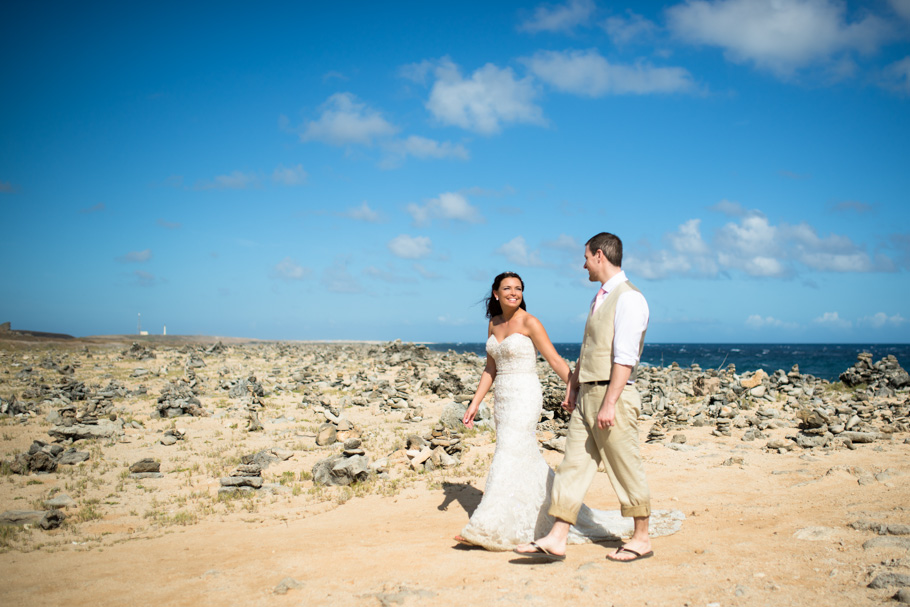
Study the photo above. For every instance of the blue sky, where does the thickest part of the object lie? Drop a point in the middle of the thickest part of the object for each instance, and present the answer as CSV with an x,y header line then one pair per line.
x,y
362,170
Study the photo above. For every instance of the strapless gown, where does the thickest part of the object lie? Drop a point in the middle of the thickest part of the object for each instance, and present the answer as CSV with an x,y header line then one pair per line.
x,y
517,492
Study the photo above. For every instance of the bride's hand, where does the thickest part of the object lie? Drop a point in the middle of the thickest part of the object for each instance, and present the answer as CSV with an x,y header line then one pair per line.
x,y
468,419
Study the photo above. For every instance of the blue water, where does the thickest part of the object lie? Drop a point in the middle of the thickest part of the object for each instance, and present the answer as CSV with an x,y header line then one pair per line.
x,y
825,361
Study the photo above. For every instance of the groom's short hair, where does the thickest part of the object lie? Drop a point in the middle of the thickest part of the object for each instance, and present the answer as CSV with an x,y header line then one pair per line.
x,y
611,246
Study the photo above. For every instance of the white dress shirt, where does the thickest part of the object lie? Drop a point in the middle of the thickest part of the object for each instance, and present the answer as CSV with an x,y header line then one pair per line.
x,y
631,320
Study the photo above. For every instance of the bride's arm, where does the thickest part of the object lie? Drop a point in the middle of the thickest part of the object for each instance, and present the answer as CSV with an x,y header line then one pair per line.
x,y
543,344
486,380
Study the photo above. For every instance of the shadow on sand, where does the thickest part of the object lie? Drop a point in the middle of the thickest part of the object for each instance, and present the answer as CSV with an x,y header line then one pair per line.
x,y
467,496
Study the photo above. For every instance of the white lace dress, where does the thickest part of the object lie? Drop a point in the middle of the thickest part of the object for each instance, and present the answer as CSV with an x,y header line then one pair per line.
x,y
517,492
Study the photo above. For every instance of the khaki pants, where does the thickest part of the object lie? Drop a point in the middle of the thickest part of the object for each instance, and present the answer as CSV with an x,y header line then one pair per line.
x,y
588,447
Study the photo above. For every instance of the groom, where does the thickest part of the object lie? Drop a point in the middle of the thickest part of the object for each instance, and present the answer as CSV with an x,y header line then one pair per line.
x,y
603,428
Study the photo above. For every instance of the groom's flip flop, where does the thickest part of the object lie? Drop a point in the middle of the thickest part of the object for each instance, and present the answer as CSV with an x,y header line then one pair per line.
x,y
541,553
636,555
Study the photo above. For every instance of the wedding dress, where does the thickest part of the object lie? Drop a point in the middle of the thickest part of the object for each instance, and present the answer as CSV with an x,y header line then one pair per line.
x,y
517,492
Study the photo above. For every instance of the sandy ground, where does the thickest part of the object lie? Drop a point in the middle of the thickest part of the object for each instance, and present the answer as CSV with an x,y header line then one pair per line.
x,y
772,530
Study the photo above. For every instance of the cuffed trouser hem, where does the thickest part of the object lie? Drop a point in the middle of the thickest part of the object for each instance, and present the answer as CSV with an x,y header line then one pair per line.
x,y
639,511
563,514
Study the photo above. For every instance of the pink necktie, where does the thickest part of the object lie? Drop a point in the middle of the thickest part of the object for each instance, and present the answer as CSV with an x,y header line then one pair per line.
x,y
598,299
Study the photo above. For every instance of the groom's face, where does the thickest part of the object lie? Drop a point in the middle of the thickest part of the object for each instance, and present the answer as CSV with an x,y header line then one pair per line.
x,y
592,264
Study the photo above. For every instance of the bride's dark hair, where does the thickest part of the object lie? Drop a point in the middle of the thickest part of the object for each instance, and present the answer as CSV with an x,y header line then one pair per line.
x,y
493,307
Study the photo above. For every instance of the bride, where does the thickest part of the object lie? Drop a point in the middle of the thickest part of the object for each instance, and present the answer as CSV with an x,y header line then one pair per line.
x,y
517,492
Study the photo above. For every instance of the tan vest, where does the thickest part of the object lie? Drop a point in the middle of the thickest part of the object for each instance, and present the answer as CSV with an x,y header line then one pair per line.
x,y
595,362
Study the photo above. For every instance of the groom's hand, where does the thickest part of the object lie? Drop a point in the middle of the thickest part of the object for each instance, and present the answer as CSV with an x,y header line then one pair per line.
x,y
606,417
568,405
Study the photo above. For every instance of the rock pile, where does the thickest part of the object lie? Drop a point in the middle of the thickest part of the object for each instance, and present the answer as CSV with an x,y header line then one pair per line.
x,y
244,478
883,377
138,352
349,466
824,416
146,468
441,448
42,457
179,398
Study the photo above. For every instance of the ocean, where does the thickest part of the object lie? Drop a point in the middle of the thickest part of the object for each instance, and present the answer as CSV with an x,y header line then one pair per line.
x,y
825,361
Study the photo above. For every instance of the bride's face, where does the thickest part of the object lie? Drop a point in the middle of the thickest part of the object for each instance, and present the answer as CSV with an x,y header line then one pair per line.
x,y
509,293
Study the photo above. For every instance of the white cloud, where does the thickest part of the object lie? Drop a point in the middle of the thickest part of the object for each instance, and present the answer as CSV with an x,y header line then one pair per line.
x,y
363,213
145,279
756,247
780,36
657,264
559,18
730,208
345,120
589,74
422,148
448,205
687,239
136,256
389,275
288,269
337,279
880,320
901,7
410,247
236,180
486,101
688,254
566,243
756,321
516,251
896,77
751,246
833,320
860,208
289,175
424,272
626,30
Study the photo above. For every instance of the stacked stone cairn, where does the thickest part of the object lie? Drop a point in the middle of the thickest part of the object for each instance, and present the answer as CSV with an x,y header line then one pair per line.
x,y
146,468
138,352
42,458
179,398
244,478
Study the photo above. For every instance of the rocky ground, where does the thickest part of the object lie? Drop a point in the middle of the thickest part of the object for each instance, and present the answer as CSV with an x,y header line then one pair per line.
x,y
207,473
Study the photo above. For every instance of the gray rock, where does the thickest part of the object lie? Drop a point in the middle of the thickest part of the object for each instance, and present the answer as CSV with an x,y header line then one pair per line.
x,y
326,435
72,457
103,429
286,584
242,481
860,437
887,542
453,413
46,519
557,443
60,501
322,470
145,465
886,580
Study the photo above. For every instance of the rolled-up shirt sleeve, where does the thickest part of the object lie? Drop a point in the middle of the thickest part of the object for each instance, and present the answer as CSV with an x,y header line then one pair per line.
x,y
630,322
